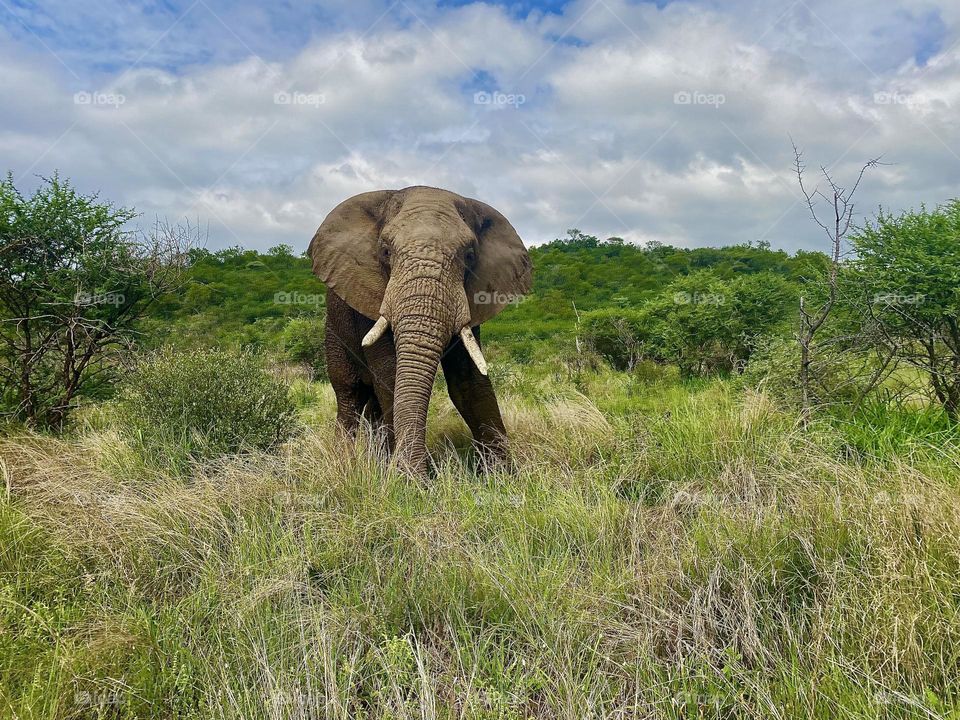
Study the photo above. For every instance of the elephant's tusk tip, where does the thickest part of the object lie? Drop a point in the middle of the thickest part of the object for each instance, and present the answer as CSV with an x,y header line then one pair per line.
x,y
473,349
376,332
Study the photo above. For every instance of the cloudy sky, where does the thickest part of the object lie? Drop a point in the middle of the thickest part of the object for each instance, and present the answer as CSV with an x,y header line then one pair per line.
x,y
667,121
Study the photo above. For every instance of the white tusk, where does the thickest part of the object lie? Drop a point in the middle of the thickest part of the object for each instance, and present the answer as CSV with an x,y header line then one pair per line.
x,y
470,343
376,332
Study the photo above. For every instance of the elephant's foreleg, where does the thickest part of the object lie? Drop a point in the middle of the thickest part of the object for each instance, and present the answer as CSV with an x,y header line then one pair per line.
x,y
342,336
351,406
353,399
472,394
381,362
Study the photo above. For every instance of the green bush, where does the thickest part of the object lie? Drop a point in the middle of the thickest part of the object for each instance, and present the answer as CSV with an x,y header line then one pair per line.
x,y
302,342
616,334
775,369
650,372
701,323
203,403
706,324
839,376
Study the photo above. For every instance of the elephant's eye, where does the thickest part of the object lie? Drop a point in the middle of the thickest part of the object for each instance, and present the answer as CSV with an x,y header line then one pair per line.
x,y
385,253
469,258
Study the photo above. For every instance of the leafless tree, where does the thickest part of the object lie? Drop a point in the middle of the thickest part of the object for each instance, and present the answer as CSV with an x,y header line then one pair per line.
x,y
837,225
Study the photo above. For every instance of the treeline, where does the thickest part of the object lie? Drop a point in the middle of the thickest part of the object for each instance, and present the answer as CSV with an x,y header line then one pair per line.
x,y
80,294
245,297
881,325
237,297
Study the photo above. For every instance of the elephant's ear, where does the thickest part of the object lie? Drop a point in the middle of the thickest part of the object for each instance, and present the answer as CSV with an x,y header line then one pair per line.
x,y
501,275
344,251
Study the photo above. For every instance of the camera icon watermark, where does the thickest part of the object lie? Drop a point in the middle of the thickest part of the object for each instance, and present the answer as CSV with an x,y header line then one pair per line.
x,y
314,100
100,99
499,99
496,298
695,97
299,298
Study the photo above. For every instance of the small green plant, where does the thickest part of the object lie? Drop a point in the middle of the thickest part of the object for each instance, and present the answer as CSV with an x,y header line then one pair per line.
x,y
203,403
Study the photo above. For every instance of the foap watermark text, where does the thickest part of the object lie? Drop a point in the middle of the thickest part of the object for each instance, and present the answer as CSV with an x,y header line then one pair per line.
x,y
299,298
299,98
695,97
499,99
696,298
99,99
109,298
496,298
898,298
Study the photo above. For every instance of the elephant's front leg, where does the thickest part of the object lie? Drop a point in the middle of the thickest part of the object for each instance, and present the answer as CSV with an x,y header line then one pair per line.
x,y
351,380
472,394
381,363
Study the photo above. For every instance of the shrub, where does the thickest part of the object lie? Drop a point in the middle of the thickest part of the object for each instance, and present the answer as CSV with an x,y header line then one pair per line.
x,y
839,375
774,368
908,267
616,335
650,372
204,403
705,324
302,342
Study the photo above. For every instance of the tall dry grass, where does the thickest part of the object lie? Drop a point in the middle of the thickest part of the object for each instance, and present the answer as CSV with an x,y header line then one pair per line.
x,y
701,558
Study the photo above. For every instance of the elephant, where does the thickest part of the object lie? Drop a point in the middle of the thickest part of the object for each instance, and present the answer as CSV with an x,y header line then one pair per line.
x,y
410,276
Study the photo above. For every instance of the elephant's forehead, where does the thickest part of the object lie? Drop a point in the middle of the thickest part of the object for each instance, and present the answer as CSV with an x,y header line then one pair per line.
x,y
428,224
420,193
437,243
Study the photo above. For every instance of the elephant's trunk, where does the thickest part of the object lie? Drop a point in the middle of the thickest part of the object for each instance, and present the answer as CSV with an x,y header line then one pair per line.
x,y
424,317
418,355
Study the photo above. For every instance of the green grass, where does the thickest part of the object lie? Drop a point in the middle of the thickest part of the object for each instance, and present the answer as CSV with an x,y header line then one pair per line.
x,y
662,549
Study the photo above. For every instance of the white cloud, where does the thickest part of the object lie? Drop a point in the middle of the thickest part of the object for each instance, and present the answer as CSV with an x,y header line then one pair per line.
x,y
646,123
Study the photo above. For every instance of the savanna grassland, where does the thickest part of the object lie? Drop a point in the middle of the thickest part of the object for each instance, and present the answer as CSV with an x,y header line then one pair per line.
x,y
696,523
662,548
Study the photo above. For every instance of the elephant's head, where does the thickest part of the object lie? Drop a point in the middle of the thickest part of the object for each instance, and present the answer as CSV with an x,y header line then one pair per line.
x,y
428,264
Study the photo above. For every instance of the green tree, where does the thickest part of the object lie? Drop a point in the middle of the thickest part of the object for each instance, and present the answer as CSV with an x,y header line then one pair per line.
x,y
302,341
706,324
693,325
73,283
908,268
761,303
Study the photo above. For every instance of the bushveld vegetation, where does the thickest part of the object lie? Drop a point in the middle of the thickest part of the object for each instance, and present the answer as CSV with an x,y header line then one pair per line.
x,y
675,537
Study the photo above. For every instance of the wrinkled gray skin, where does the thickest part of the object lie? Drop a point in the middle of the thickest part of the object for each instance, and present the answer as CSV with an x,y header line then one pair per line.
x,y
431,263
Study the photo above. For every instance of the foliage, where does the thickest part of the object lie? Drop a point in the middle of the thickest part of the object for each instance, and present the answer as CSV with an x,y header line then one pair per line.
x,y
616,335
302,342
73,284
238,298
611,273
908,269
204,403
840,376
701,323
